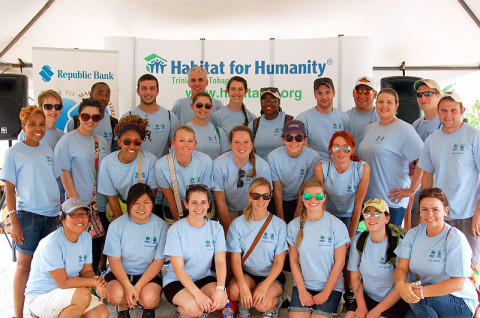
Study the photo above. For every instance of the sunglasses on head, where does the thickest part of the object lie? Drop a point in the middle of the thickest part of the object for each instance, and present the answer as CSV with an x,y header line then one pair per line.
x,y
309,196
363,91
200,105
241,174
86,117
427,94
128,141
51,106
345,148
376,214
257,196
269,90
289,138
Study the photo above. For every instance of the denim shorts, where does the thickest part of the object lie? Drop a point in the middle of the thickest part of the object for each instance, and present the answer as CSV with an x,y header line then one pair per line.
x,y
442,307
35,227
326,309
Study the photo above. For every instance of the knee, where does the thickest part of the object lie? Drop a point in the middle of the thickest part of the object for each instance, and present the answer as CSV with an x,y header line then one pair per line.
x,y
23,267
116,296
192,310
150,299
82,297
266,306
233,292
101,311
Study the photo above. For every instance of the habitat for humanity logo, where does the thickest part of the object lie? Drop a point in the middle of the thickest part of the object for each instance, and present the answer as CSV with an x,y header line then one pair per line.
x,y
46,73
155,63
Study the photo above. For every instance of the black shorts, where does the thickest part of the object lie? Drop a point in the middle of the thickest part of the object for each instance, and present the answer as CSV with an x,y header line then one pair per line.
x,y
396,311
173,288
280,280
133,278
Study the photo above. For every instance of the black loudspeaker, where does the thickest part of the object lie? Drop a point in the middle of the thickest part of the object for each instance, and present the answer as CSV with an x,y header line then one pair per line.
x,y
13,96
408,110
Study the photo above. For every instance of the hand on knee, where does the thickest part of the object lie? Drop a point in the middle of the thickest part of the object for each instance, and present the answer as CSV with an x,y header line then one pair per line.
x,y
82,298
265,306
190,310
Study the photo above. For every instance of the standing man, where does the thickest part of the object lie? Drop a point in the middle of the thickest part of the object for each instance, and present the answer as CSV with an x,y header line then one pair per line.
x,y
322,121
198,82
428,93
364,112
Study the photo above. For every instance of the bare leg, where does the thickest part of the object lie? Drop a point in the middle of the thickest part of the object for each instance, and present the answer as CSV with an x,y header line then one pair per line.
x,y
80,301
150,296
186,304
20,282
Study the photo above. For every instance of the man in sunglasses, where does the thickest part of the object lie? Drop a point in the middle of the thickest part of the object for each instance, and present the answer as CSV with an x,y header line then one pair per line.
x,y
364,113
198,82
428,92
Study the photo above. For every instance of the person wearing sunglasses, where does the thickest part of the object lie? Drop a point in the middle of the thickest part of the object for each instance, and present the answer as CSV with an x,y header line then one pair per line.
x,y
428,92
364,113
211,140
267,128
233,172
317,247
371,269
390,147
290,166
62,271
258,281
439,256
235,113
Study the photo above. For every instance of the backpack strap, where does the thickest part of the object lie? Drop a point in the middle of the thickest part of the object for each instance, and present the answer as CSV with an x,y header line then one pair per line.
x,y
394,234
255,124
113,123
361,244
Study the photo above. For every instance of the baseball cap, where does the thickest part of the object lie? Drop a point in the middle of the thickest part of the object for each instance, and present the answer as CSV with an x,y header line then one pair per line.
x,y
323,81
429,82
73,204
379,204
272,90
451,95
366,81
294,126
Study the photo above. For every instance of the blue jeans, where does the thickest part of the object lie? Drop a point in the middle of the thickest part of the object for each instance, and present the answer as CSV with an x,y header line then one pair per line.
x,y
326,309
397,215
441,306
35,227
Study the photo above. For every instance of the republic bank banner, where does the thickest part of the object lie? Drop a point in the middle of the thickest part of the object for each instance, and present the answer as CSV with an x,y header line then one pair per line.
x,y
290,65
72,72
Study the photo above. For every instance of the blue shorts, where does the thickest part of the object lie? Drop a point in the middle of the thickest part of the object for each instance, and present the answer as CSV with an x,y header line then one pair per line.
x,y
326,309
35,227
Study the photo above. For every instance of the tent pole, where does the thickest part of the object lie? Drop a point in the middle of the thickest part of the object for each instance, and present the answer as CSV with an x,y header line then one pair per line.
x,y
470,12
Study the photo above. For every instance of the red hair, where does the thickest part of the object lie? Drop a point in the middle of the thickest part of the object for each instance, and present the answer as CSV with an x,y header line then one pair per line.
x,y
348,138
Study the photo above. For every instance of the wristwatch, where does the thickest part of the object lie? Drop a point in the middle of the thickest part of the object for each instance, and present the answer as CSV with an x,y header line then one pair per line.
x,y
222,288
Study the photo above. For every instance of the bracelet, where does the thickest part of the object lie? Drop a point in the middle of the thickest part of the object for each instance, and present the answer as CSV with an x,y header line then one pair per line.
x,y
222,288
411,190
421,292
12,211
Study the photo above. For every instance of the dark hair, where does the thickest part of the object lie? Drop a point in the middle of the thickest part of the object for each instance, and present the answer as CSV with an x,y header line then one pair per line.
x,y
196,188
89,102
251,155
435,193
136,191
197,95
348,138
146,77
244,82
389,91
96,84
135,123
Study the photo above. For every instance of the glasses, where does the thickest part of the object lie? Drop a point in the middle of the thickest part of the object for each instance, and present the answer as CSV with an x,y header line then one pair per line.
x,y
368,214
128,141
86,117
266,100
200,105
345,148
309,196
241,174
78,215
426,94
51,106
363,91
289,138
257,196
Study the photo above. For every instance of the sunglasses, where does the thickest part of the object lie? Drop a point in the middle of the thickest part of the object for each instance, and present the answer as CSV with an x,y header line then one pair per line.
x,y
86,117
200,105
78,215
257,196
289,138
51,106
241,174
363,91
128,141
318,196
376,214
426,94
345,148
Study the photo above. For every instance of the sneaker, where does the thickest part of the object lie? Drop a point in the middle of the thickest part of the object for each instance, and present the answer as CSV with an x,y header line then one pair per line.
x,y
148,313
242,311
274,312
179,315
348,297
123,314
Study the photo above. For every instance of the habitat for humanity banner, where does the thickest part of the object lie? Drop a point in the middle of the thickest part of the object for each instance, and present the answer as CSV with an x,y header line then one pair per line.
x,y
72,72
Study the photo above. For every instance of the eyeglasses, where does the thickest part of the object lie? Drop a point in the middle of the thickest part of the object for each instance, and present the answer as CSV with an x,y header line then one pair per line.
x,y
345,148
363,91
86,117
51,106
269,90
376,214
256,196
78,215
195,186
128,141
289,138
241,174
266,100
426,94
200,105
309,196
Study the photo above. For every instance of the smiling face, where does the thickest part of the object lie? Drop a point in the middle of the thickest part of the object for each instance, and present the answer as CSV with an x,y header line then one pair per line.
x,y
51,115
102,94
386,106
374,224
197,204
76,221
261,204
324,96
341,156
148,91
197,82
364,97
203,112
270,105
294,147
34,129
236,92
427,102
450,114
313,205
89,125
129,152
433,212
241,144
184,143
141,209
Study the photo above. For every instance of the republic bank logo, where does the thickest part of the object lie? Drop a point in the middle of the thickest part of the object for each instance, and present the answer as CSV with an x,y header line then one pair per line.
x,y
155,64
46,73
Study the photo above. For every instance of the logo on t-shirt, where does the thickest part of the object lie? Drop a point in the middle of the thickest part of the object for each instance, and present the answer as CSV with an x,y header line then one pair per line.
x,y
435,256
458,149
143,176
208,244
150,241
268,238
212,139
337,126
379,139
302,172
325,241
82,258
159,128
278,132
49,160
194,180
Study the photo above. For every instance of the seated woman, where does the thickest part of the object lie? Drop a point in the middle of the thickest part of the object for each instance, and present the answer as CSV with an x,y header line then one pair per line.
x,y
62,271
440,256
192,242
375,292
134,246
258,278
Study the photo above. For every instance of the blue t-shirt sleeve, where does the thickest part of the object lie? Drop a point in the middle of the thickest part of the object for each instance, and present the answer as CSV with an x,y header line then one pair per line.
x,y
162,179
341,234
224,142
292,232
113,242
150,170
218,182
159,252
62,154
207,173
404,249
263,169
88,245
9,170
354,256
105,182
173,245
273,168
425,162
51,258
459,255
174,125
220,245
412,146
233,238
282,245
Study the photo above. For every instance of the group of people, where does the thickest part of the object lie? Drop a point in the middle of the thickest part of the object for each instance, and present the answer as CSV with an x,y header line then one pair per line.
x,y
285,191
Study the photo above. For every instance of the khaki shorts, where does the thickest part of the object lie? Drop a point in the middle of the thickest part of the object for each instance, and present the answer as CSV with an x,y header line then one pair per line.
x,y
465,225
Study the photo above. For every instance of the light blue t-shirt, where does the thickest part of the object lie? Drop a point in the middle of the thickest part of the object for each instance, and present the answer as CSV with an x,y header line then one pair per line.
x,y
320,128
226,118
136,244
162,125
358,122
76,154
438,258
269,134
317,250
52,136
425,128
241,235
33,171
209,141
225,178
388,150
116,178
376,270
292,172
196,246
104,128
53,252
199,171
184,112
341,188
454,159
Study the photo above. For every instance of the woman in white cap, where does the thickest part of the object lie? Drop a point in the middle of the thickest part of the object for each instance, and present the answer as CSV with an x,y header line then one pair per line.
x,y
62,274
